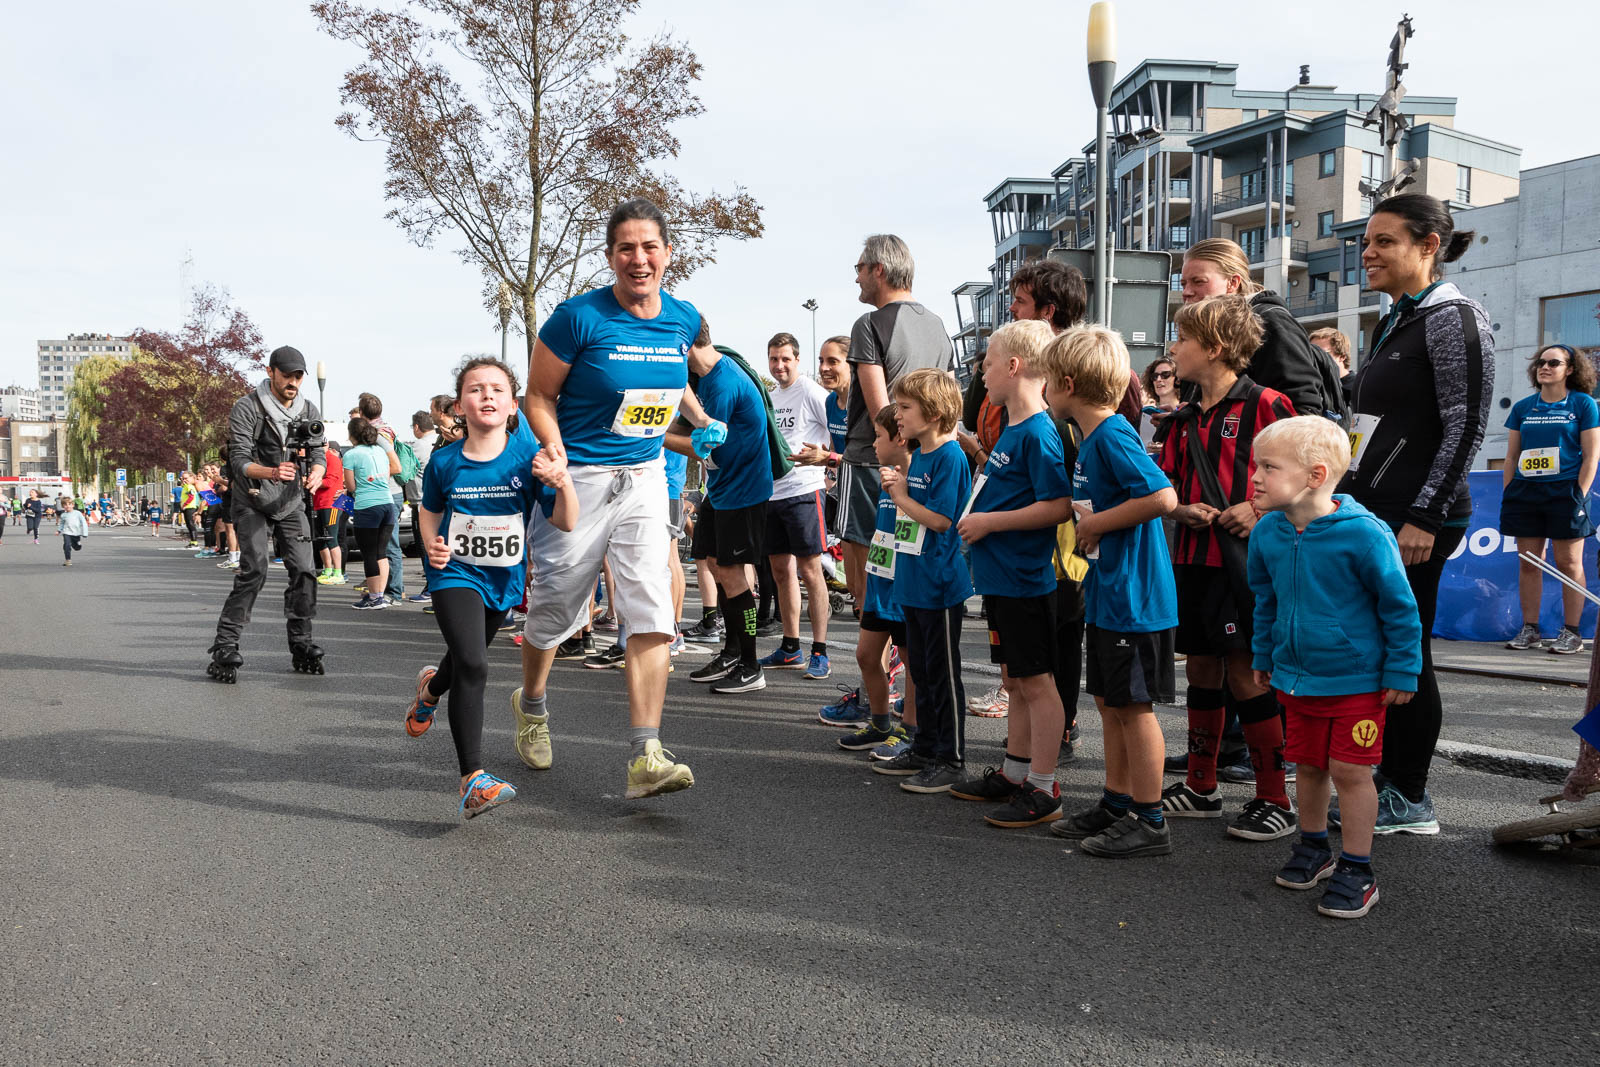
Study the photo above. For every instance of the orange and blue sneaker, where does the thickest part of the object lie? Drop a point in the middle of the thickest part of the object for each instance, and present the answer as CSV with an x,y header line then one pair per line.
x,y
420,715
484,791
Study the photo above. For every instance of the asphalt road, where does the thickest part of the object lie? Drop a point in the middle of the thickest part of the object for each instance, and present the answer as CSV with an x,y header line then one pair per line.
x,y
274,872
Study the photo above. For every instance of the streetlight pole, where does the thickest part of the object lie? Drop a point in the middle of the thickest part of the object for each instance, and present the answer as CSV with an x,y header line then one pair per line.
x,y
322,388
503,299
816,360
1102,74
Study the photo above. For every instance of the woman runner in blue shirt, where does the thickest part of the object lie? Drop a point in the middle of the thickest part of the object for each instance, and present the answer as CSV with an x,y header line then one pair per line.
x,y
1552,451
478,494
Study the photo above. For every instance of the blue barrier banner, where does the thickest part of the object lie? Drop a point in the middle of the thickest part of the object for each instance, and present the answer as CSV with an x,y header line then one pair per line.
x,y
1478,593
1588,727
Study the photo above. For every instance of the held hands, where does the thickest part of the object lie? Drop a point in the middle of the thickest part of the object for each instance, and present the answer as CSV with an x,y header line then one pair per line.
x,y
708,437
551,472
439,553
1239,519
1195,516
976,526
1396,696
550,465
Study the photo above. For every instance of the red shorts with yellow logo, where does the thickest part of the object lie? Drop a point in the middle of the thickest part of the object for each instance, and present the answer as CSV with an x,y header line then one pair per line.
x,y
1346,728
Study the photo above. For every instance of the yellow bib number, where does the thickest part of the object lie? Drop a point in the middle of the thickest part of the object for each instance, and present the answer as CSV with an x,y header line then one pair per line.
x,y
645,412
1539,462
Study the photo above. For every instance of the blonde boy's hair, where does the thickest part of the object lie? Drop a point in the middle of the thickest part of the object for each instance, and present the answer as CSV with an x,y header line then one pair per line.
x,y
936,393
1224,322
1095,359
1310,439
1025,339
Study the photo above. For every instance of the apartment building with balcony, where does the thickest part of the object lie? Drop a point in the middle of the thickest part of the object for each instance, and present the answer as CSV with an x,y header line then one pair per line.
x,y
59,358
1279,172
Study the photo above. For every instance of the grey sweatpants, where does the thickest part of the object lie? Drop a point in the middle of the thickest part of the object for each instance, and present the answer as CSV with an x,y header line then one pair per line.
x,y
299,599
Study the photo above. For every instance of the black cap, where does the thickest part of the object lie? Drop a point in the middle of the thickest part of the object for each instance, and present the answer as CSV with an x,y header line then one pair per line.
x,y
288,360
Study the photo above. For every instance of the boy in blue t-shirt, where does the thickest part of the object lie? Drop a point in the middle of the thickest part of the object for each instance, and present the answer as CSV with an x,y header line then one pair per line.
x,y
1130,599
882,620
730,526
1017,501
931,584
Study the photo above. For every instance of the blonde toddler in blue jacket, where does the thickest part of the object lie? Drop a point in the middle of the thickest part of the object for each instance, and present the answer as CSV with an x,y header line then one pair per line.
x,y
1338,636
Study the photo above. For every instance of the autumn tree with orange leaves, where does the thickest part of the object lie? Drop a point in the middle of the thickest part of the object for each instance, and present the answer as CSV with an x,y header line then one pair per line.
x,y
517,125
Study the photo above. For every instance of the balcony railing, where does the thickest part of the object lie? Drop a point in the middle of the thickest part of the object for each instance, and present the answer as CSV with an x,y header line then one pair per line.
x,y
1233,201
1297,250
1177,238
1370,298
1320,302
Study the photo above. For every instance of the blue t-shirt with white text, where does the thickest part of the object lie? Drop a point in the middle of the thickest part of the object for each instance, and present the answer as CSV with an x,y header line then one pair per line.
x,y
485,506
609,352
836,423
1025,467
880,590
937,578
1556,426
742,476
1129,588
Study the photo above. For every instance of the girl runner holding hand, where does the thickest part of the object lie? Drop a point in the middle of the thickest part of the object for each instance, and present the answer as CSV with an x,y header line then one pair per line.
x,y
478,493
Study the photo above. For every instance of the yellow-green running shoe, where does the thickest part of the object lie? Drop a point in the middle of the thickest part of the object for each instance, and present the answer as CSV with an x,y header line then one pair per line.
x,y
656,772
533,735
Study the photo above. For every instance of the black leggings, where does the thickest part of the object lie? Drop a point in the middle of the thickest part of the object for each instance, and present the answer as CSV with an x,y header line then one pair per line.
x,y
188,522
468,626
1411,730
374,544
33,526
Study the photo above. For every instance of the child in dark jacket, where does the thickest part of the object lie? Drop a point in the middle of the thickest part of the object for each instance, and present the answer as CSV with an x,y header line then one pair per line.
x,y
1338,636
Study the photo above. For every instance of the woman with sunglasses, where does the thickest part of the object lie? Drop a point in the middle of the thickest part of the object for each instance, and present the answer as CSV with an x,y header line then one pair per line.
x,y
1551,454
1160,381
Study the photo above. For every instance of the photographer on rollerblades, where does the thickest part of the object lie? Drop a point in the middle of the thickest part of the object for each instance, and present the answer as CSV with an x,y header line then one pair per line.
x,y
275,459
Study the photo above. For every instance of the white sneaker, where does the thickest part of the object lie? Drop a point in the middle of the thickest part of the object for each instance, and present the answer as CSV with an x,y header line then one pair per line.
x,y
994,704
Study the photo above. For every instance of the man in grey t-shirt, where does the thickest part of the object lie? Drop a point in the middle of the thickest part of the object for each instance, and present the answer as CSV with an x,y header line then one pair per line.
x,y
899,337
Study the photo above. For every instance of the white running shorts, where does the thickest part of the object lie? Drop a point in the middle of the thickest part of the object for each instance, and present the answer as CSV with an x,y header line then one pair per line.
x,y
622,515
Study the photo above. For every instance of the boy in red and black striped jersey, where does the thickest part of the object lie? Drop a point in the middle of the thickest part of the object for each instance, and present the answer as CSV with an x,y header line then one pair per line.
x,y
1207,454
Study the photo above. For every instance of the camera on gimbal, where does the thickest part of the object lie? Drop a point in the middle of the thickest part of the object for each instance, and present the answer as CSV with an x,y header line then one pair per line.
x,y
299,433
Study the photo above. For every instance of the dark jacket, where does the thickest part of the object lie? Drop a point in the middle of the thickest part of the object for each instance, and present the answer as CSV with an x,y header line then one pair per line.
x,y
1420,410
254,438
1288,362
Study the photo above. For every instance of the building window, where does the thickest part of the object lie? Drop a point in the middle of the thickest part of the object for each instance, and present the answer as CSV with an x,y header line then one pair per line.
x,y
1350,275
1326,164
1254,243
1463,185
1325,224
1570,320
1373,173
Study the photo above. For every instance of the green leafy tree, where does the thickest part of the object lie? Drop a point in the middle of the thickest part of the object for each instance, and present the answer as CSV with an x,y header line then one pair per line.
x,y
565,121
85,412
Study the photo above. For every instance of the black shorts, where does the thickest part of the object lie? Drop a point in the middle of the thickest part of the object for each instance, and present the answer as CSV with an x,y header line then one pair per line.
x,y
1022,634
1209,622
794,525
1126,669
859,487
730,537
1531,507
895,628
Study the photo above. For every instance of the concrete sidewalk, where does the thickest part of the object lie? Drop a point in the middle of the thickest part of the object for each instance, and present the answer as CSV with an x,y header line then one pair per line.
x,y
1497,661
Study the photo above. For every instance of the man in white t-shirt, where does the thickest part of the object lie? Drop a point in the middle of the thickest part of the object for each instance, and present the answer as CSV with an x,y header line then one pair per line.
x,y
795,516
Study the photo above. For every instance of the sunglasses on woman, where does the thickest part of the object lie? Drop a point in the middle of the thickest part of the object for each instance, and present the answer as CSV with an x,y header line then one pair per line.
x,y
1549,363
1162,375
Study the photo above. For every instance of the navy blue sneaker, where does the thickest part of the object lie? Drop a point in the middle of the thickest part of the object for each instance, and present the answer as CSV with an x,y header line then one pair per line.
x,y
423,597
817,667
782,660
1351,892
1307,866
1397,815
849,712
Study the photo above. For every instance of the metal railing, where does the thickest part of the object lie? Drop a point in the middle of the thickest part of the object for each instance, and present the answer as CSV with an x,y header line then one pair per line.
x,y
1317,303
1297,250
1234,201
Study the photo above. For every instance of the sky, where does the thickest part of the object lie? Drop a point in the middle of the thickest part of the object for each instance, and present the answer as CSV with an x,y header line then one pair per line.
x,y
141,137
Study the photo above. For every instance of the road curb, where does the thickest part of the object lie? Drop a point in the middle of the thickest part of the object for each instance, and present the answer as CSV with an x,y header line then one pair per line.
x,y
1510,676
1505,762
